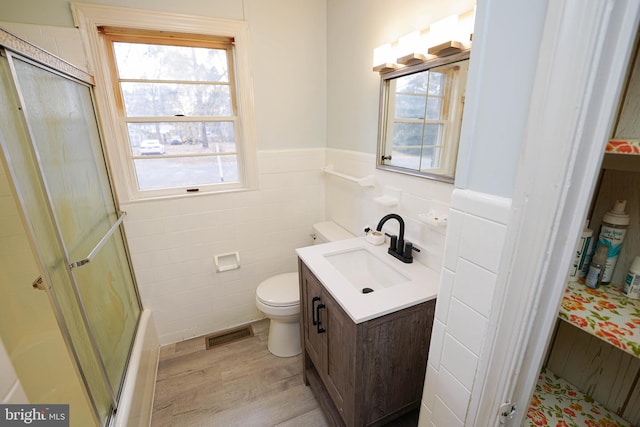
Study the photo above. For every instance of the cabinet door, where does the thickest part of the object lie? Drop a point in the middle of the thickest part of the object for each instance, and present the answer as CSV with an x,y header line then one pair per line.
x,y
312,297
339,363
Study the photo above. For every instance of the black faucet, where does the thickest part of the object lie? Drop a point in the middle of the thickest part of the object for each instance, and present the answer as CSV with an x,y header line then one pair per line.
x,y
398,247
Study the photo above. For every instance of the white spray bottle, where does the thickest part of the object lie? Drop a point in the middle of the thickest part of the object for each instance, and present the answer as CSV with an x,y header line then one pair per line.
x,y
612,232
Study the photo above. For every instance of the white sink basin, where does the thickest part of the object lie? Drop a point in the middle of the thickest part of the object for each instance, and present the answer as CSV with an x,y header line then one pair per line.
x,y
346,267
364,270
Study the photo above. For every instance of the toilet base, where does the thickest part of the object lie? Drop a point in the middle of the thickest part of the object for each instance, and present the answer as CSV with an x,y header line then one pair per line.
x,y
284,338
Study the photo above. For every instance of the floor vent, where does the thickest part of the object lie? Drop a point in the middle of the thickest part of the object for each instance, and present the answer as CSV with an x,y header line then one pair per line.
x,y
228,336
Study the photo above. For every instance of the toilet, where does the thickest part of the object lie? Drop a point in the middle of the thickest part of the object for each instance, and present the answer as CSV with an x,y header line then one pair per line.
x,y
278,297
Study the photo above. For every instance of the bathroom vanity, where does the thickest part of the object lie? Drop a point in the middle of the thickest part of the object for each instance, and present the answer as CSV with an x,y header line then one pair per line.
x,y
364,354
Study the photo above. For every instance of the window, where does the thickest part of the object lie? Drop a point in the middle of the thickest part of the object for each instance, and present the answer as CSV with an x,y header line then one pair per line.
x,y
179,101
420,118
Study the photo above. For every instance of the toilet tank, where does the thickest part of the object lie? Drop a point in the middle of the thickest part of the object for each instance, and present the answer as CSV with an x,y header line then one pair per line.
x,y
329,231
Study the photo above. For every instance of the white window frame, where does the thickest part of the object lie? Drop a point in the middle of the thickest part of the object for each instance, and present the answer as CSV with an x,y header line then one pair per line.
x,y
89,17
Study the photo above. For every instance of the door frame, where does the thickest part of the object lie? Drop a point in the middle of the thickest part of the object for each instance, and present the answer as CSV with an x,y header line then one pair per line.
x,y
582,64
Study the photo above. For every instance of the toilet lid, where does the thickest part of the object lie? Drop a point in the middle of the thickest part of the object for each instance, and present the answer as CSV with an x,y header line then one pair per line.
x,y
280,290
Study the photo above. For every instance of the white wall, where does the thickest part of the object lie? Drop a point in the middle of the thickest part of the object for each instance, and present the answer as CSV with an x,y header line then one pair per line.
x,y
58,12
288,39
354,29
504,58
354,207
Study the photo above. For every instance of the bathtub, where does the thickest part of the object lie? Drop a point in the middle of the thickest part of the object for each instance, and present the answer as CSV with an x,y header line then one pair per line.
x,y
136,399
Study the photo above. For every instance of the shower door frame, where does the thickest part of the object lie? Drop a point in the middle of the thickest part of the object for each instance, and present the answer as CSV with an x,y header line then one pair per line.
x,y
13,47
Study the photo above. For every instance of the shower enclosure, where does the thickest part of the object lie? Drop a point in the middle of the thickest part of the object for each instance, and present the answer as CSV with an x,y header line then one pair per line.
x,y
55,170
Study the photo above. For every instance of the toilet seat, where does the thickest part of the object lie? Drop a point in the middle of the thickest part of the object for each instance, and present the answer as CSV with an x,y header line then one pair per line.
x,y
281,290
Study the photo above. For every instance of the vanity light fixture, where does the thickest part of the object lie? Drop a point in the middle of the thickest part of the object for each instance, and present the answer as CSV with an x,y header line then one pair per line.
x,y
412,49
443,38
443,30
384,59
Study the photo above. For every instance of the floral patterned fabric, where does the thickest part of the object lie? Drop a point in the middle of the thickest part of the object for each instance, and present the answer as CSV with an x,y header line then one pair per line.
x,y
556,403
604,312
630,146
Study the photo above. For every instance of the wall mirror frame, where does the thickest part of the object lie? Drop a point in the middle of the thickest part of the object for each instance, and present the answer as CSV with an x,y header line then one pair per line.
x,y
420,116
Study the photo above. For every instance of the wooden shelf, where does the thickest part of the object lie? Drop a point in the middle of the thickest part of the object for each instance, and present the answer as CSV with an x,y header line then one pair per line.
x,y
557,402
605,313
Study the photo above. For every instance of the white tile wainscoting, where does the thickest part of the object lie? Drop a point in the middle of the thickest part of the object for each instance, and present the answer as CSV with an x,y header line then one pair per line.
x,y
477,229
173,243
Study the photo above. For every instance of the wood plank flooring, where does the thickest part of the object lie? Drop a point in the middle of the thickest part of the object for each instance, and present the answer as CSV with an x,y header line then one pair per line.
x,y
236,384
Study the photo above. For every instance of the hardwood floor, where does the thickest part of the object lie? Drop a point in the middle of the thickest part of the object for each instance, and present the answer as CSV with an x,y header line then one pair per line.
x,y
236,384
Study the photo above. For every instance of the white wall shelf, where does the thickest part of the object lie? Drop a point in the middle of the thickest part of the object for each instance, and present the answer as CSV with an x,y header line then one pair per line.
x,y
367,181
390,196
386,200
433,219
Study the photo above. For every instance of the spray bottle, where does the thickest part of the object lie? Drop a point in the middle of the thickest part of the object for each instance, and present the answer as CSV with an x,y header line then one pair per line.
x,y
580,259
632,282
597,267
612,232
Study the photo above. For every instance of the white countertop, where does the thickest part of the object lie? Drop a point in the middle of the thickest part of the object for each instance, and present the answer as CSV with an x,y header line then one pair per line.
x,y
422,284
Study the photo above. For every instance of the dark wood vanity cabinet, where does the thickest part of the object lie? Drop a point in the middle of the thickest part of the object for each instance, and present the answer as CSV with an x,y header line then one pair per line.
x,y
364,374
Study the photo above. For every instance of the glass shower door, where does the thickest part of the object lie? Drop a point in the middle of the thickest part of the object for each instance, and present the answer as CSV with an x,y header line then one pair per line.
x,y
29,325
66,143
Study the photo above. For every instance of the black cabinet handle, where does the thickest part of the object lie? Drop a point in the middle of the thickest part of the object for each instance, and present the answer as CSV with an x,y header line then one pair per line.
x,y
313,310
320,328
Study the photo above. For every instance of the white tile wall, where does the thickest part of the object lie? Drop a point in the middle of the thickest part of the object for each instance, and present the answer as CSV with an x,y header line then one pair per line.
x,y
452,394
461,317
173,244
354,207
475,237
443,415
447,278
458,360
473,285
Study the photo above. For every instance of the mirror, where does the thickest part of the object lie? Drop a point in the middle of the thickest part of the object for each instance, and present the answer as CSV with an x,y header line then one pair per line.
x,y
420,117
